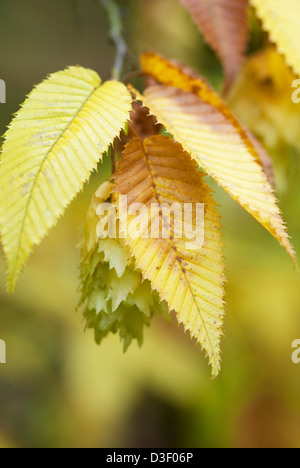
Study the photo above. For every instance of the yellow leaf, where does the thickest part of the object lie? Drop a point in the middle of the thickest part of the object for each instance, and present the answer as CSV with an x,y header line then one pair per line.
x,y
224,26
200,121
53,144
281,19
189,280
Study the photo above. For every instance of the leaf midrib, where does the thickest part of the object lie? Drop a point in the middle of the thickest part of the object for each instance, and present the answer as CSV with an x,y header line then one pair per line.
x,y
177,256
34,182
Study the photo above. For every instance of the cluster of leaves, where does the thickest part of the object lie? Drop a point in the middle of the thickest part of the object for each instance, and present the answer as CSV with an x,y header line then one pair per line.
x,y
70,120
117,299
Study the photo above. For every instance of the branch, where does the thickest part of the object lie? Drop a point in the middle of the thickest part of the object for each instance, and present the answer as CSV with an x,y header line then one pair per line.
x,y
115,23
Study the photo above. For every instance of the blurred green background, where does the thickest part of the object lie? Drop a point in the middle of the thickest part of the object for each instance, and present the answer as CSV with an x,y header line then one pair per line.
x,y
58,389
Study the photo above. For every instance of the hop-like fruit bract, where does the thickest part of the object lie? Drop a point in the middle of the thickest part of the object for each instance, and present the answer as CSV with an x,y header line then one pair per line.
x,y
116,298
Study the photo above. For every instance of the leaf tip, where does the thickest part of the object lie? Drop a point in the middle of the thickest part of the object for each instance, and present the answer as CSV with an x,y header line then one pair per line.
x,y
11,283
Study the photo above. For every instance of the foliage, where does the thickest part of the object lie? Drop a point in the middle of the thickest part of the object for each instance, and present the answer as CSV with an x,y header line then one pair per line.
x,y
224,26
70,120
281,20
262,98
117,299
213,137
191,282
52,146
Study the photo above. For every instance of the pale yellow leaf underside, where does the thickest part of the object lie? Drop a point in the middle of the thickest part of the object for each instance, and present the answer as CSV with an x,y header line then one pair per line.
x,y
51,147
218,148
281,18
191,281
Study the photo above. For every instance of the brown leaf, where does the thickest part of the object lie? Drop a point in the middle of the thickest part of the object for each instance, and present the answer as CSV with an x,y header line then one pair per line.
x,y
141,124
223,24
144,124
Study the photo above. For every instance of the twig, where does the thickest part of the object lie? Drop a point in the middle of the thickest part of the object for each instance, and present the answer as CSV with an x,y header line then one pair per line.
x,y
115,23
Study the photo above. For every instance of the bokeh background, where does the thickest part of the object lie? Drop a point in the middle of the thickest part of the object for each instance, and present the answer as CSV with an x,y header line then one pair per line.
x,y
58,389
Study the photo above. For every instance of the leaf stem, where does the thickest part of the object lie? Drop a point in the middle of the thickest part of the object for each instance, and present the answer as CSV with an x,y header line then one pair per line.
x,y
130,76
116,28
